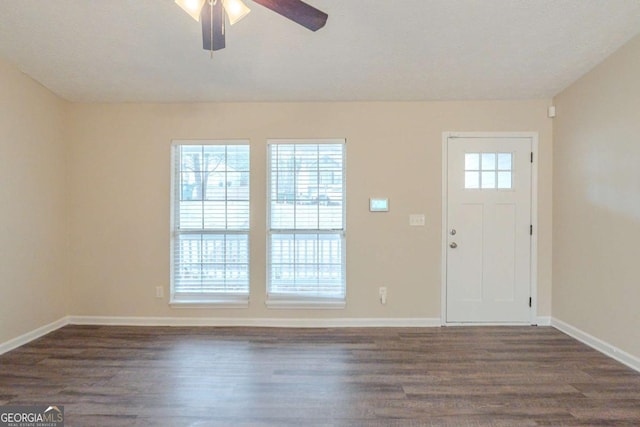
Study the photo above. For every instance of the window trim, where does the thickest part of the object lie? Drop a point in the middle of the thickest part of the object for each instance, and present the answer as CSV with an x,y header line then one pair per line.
x,y
195,300
301,301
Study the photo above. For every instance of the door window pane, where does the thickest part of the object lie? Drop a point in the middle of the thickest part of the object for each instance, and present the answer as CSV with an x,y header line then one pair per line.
x,y
488,179
472,161
472,179
504,161
504,180
488,161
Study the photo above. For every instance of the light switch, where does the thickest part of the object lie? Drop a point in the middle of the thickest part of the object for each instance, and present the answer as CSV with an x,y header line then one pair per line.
x,y
416,220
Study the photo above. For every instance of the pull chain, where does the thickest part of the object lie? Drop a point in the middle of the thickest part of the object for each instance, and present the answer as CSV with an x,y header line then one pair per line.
x,y
212,3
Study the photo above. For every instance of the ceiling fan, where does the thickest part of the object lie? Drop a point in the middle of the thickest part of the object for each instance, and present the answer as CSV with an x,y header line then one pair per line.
x,y
212,13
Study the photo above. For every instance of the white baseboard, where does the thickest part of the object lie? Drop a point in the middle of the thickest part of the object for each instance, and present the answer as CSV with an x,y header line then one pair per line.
x,y
596,343
256,322
540,321
33,335
544,321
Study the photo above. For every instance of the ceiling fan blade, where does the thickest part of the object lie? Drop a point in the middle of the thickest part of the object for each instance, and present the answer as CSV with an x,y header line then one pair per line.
x,y
212,18
297,11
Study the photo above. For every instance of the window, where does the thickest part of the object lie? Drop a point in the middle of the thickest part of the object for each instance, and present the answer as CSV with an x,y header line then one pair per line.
x,y
488,170
306,242
210,223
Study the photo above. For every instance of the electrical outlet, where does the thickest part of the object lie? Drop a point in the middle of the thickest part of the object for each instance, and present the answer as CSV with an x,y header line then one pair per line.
x,y
159,292
382,293
416,220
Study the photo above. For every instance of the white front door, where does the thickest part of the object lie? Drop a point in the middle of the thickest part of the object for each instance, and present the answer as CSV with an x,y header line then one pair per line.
x,y
488,252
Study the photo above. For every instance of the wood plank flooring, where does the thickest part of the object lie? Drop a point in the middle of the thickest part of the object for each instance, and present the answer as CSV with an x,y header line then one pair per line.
x,y
480,376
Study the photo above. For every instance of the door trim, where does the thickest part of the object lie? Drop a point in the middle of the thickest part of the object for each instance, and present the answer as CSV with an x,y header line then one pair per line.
x,y
533,314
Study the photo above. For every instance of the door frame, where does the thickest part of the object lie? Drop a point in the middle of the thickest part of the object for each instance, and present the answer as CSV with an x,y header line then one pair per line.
x,y
533,283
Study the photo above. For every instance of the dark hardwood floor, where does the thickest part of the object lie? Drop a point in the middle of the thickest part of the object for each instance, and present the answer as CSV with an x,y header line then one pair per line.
x,y
480,376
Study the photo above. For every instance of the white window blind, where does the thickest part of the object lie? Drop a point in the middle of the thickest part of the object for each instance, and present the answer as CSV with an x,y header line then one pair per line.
x,y
210,231
306,220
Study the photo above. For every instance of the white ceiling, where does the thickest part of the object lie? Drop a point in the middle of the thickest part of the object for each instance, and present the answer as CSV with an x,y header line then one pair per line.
x,y
151,51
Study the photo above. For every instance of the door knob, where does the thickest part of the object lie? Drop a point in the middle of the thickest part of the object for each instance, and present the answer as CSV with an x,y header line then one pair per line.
x,y
453,245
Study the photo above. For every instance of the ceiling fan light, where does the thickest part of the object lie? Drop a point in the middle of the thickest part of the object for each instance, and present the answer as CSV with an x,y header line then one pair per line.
x,y
236,10
192,7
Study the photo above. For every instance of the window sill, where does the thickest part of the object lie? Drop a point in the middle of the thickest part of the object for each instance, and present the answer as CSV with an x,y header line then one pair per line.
x,y
209,303
296,304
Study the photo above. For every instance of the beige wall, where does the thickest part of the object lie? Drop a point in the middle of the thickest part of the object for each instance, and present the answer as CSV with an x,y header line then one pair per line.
x,y
119,183
33,228
596,214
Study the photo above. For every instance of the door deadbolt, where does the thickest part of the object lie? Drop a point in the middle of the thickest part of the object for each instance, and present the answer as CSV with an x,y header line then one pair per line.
x,y
453,232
